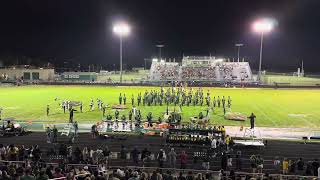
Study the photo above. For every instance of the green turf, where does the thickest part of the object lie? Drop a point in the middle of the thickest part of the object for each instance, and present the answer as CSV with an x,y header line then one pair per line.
x,y
272,107
291,80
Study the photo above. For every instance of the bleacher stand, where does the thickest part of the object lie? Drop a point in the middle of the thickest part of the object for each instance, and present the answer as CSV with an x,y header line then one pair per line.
x,y
201,69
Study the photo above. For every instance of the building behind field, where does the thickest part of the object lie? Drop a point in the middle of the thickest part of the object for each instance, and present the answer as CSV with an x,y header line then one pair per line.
x,y
79,76
27,74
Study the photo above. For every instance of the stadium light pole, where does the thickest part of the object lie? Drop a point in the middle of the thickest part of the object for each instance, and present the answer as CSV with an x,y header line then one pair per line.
x,y
239,46
262,26
121,29
160,46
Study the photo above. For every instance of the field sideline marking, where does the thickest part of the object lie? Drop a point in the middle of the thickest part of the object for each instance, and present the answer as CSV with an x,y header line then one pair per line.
x,y
267,117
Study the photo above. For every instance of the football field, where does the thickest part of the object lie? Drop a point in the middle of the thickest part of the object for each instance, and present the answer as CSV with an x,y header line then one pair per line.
x,y
273,107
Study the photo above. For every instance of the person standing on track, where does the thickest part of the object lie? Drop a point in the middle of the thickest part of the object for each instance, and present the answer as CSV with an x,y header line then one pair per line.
x,y
55,134
252,119
76,128
71,115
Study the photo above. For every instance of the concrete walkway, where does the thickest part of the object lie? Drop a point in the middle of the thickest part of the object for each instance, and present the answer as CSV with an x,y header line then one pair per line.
x,y
233,131
273,133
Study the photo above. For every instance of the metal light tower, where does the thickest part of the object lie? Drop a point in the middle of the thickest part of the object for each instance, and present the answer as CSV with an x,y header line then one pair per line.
x,y
262,26
239,46
160,46
121,29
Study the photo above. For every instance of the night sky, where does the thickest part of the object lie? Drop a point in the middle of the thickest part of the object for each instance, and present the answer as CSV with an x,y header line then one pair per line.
x,y
80,31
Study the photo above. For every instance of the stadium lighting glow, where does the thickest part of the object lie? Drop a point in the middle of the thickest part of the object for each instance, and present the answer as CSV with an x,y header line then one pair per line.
x,y
121,29
154,60
219,60
263,25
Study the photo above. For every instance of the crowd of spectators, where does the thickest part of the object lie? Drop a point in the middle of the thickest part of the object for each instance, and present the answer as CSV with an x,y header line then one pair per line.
x,y
297,166
234,71
20,162
226,71
198,73
166,71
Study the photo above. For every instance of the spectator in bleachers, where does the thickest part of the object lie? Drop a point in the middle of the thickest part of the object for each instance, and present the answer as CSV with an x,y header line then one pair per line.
x,y
227,141
300,166
123,153
224,161
12,153
232,175
292,166
213,144
277,164
2,152
260,162
315,166
285,166
144,176
238,161
135,156
183,160
189,176
253,163
167,175
58,173
229,161
154,176
199,177
206,160
172,156
161,157
145,154
309,171
27,175
49,171
42,175
181,176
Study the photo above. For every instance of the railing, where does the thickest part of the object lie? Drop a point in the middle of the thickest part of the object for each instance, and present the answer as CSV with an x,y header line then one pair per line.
x,y
151,169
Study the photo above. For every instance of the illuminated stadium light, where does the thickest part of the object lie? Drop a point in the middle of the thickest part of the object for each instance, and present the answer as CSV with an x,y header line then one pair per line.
x,y
121,29
154,60
263,25
219,60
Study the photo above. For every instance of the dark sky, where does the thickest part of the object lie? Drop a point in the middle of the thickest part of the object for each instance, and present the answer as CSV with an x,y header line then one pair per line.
x,y
82,30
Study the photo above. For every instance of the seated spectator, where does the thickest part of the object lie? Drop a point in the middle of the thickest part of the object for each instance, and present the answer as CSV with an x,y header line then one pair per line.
x,y
42,175
300,166
58,173
181,177
27,175
189,176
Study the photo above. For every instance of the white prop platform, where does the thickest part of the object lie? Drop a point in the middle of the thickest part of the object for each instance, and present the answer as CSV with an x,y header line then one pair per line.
x,y
256,143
